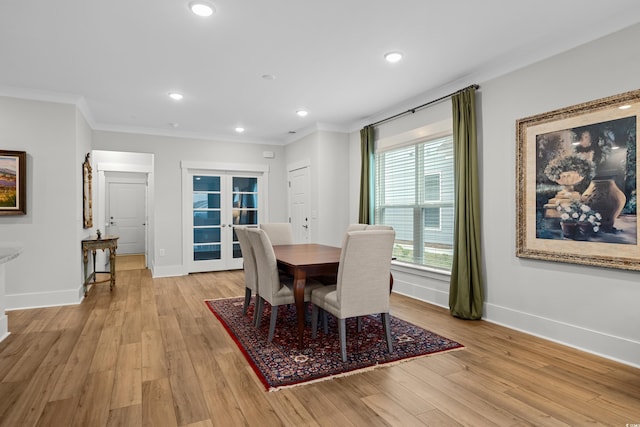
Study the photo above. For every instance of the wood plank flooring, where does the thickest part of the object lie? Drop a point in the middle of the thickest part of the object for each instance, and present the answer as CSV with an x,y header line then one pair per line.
x,y
150,353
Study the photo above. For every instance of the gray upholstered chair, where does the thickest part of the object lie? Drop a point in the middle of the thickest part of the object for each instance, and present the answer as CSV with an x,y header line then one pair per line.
x,y
275,291
250,269
280,233
362,286
356,227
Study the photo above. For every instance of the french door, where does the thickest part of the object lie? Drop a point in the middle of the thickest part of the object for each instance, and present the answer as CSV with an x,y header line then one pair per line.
x,y
218,201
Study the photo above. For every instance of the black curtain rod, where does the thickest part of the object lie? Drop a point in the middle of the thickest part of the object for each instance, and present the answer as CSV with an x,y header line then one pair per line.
x,y
414,109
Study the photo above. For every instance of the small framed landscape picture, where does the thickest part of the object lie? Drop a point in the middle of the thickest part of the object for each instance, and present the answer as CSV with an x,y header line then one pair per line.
x,y
13,182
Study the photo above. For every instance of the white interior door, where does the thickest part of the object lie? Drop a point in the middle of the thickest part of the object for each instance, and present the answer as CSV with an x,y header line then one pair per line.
x,y
299,204
126,215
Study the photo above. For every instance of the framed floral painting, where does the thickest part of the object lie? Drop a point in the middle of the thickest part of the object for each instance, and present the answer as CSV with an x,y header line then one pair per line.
x,y
13,182
576,183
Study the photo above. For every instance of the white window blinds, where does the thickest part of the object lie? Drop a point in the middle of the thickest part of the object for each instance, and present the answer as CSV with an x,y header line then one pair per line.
x,y
414,194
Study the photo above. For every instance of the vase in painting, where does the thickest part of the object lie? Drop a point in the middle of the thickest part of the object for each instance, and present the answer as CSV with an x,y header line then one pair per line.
x,y
577,230
604,197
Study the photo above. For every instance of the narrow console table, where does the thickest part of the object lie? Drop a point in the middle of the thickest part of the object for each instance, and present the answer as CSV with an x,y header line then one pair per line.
x,y
92,244
6,255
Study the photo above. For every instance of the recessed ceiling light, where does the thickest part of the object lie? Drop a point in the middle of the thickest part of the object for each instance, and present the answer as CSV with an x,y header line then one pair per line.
x,y
393,57
201,8
624,107
302,113
239,129
174,125
175,96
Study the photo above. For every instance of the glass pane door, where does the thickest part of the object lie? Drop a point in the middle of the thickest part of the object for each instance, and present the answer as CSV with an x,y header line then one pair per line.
x,y
218,201
245,206
207,218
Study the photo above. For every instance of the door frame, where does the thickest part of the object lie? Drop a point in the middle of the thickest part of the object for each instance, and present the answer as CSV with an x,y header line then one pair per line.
x,y
293,167
190,168
147,170
122,178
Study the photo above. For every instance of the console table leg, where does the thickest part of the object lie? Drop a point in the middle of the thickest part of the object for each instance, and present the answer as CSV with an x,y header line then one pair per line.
x,y
112,267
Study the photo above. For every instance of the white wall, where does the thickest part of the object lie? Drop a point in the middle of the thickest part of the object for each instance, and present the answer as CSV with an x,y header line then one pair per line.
x,y
590,308
587,307
167,209
56,138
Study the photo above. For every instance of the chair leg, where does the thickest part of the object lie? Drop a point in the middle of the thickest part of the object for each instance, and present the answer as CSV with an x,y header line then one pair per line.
x,y
259,309
272,323
247,300
386,323
325,321
314,321
342,334
255,308
359,323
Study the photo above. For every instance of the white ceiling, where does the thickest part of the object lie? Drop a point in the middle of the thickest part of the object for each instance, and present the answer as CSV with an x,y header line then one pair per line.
x,y
119,58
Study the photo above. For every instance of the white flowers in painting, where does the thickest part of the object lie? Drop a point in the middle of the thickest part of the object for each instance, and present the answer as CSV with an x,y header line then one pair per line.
x,y
576,211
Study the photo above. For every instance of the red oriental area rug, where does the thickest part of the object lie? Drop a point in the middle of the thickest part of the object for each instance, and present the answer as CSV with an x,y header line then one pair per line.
x,y
280,364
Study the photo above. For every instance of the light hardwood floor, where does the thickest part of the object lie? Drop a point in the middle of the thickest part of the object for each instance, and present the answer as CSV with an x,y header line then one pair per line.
x,y
151,354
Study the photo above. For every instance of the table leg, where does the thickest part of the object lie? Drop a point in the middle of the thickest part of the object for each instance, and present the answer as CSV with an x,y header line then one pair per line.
x,y
299,278
112,267
93,257
85,259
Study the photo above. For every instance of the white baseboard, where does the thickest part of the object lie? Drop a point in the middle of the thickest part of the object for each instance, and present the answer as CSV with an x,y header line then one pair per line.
x,y
433,288
606,345
427,286
4,326
422,293
167,270
43,299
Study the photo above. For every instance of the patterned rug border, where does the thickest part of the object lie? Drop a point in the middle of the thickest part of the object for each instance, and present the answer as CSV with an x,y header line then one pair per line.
x,y
349,371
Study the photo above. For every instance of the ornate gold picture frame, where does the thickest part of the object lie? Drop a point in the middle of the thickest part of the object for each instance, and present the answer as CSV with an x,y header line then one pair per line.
x,y
576,183
87,193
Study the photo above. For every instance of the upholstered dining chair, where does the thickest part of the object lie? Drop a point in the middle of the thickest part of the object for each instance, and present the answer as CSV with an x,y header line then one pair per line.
x,y
275,290
250,269
280,233
361,227
362,286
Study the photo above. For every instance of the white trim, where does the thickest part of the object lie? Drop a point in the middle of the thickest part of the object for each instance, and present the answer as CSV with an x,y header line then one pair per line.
x,y
44,299
425,133
433,287
612,347
4,326
124,167
421,283
167,271
224,167
101,201
298,165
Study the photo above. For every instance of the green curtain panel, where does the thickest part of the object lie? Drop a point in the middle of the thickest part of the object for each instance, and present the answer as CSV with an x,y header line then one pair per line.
x,y
466,289
366,174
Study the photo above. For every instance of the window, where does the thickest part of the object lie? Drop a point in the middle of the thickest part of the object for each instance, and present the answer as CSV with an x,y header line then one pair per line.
x,y
414,194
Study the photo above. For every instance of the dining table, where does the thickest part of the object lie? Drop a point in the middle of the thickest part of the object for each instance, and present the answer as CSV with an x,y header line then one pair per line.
x,y
302,261
307,260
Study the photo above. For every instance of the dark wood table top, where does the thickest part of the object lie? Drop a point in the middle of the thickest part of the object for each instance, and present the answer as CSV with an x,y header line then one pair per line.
x,y
307,254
